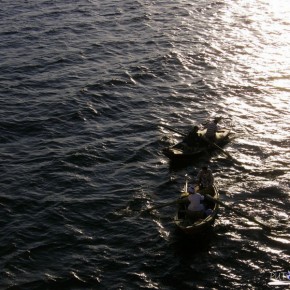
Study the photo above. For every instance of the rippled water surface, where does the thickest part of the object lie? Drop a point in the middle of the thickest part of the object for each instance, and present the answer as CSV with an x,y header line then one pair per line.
x,y
85,88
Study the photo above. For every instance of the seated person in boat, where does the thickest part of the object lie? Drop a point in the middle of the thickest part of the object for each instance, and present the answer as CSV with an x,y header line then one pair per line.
x,y
195,209
192,139
211,129
205,178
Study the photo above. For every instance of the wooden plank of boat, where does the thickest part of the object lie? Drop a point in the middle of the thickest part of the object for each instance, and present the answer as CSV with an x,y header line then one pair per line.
x,y
182,152
195,227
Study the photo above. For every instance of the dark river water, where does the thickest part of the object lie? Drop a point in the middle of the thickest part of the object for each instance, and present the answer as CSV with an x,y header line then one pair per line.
x,y
85,88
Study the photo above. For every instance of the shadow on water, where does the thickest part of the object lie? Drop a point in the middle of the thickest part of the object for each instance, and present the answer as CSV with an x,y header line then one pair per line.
x,y
191,256
177,165
187,247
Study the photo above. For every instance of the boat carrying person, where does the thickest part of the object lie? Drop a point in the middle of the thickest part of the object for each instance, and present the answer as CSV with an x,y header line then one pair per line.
x,y
205,178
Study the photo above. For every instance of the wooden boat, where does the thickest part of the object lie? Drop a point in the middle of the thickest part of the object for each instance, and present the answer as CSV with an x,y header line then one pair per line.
x,y
181,152
194,227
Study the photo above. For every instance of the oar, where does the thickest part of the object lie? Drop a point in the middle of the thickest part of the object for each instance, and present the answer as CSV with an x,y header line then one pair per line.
x,y
222,150
237,211
171,202
173,130
162,205
186,182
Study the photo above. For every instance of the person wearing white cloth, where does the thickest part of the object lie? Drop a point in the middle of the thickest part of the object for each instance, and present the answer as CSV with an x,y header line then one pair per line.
x,y
195,208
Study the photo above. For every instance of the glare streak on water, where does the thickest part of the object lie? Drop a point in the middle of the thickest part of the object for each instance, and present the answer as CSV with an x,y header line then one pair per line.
x,y
84,86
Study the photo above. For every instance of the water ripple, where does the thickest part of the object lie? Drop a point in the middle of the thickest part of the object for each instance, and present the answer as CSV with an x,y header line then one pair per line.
x,y
84,89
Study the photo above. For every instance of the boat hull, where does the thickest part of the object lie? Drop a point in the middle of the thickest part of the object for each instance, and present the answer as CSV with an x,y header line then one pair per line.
x,y
179,152
195,228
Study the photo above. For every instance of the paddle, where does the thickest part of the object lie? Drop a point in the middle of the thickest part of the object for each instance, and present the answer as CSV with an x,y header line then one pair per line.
x,y
214,144
222,150
173,130
237,211
170,202
162,205
186,183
